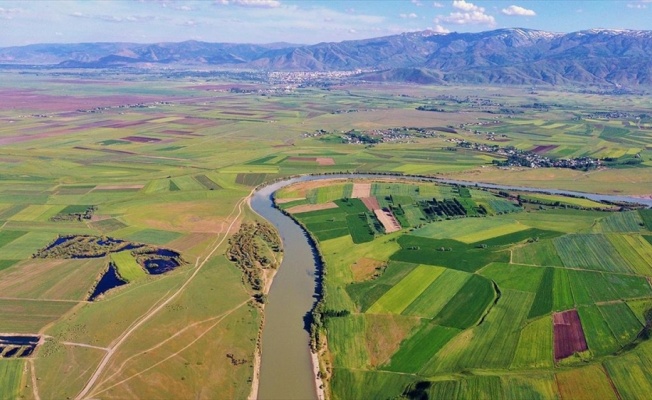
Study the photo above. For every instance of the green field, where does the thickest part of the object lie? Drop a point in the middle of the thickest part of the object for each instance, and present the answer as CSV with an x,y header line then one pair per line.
x,y
458,304
402,294
127,267
11,372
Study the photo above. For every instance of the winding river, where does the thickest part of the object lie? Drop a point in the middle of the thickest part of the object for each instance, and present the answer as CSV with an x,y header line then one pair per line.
x,y
286,370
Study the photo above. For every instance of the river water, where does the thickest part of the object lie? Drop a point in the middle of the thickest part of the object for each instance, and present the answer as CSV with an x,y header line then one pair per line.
x,y
286,368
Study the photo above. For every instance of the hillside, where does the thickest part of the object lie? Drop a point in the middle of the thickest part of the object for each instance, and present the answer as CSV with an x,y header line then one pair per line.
x,y
503,56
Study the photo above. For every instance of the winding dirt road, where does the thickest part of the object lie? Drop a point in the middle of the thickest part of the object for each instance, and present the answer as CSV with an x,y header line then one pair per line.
x,y
148,315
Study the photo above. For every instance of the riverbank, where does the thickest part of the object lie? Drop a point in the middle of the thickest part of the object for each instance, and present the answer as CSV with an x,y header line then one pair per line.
x,y
292,233
268,276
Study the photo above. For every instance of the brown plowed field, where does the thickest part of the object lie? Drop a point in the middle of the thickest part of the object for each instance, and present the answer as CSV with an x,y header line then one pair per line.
x,y
325,161
310,207
569,335
361,190
371,203
541,149
388,220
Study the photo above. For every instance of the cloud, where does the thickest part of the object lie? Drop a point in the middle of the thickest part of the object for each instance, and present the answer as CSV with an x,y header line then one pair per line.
x,y
440,29
408,16
8,13
437,4
638,6
518,11
114,18
416,3
464,6
470,14
251,3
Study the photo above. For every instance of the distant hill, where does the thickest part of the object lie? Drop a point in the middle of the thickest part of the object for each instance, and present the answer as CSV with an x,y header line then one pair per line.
x,y
504,56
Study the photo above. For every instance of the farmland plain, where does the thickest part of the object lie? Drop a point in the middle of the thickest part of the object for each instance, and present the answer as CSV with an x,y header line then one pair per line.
x,y
168,162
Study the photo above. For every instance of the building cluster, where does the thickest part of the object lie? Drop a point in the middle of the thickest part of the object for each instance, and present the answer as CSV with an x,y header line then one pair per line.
x,y
522,158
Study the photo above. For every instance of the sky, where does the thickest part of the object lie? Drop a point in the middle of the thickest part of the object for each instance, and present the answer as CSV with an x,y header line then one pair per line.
x,y
297,21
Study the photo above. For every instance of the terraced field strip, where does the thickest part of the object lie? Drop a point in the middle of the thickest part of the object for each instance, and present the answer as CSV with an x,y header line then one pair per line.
x,y
599,337
399,297
568,334
534,348
11,372
590,251
420,347
494,341
438,294
575,201
631,375
310,207
539,253
467,305
349,350
491,233
629,221
514,276
590,287
621,320
585,383
544,299
635,250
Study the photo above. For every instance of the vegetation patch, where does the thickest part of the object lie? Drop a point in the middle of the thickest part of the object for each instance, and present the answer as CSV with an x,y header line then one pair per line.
x,y
255,248
75,213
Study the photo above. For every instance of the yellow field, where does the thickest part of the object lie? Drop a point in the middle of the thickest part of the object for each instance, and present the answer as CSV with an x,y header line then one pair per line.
x,y
492,233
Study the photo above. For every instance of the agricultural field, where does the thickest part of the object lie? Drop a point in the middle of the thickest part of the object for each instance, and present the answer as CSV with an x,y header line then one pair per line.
x,y
457,303
494,294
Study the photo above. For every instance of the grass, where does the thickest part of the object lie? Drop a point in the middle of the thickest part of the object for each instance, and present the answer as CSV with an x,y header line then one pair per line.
x,y
544,299
589,382
629,221
438,294
347,348
11,372
573,201
7,237
401,295
367,293
420,348
636,251
646,218
348,384
534,348
154,236
538,253
469,303
470,230
446,253
621,320
630,375
514,276
18,316
51,279
127,267
589,251
598,335
491,344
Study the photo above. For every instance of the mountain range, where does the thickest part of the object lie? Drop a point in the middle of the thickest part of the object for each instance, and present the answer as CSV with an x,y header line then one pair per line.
x,y
503,56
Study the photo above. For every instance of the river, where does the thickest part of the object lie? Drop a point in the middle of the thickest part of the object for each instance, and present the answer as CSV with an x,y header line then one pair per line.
x,y
286,370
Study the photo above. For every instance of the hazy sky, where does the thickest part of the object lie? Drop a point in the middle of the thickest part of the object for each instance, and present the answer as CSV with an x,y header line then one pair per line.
x,y
297,21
